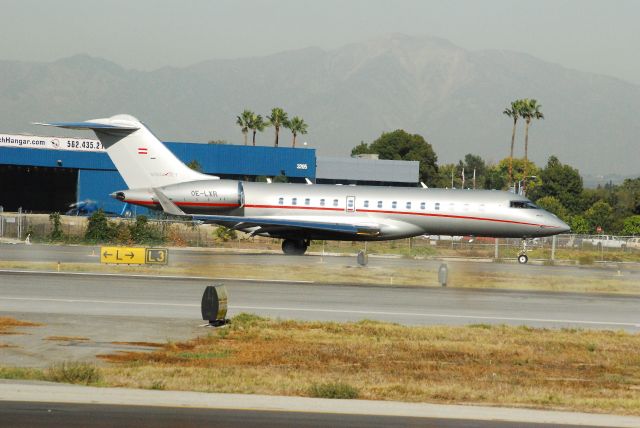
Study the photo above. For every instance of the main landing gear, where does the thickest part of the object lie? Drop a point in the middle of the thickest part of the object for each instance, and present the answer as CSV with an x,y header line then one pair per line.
x,y
522,256
294,247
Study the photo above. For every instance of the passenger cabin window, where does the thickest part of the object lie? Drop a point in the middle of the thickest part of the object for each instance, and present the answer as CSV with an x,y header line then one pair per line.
x,y
394,204
294,201
408,205
280,201
322,202
366,204
307,201
423,205
335,202
437,206
379,204
522,204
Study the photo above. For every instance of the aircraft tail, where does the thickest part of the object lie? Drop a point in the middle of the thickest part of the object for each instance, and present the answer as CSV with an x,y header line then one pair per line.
x,y
140,158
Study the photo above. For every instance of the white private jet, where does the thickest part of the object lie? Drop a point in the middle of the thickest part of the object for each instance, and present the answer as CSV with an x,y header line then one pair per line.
x,y
298,213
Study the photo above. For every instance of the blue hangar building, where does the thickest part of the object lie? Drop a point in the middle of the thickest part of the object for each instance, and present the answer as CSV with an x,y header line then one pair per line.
x,y
40,178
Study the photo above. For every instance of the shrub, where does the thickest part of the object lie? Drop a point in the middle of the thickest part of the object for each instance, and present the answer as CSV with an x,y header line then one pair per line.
x,y
142,232
56,227
225,234
333,390
74,372
98,228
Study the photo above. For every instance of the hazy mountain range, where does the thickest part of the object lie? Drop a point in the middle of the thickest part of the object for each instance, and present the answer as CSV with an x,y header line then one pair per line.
x,y
452,96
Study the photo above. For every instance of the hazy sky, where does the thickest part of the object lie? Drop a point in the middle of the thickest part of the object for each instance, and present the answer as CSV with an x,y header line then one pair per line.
x,y
598,36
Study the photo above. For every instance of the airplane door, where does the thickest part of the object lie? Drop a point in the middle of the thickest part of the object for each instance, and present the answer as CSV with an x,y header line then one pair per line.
x,y
350,207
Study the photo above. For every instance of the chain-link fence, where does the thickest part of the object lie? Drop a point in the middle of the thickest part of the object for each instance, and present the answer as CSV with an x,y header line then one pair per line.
x,y
584,249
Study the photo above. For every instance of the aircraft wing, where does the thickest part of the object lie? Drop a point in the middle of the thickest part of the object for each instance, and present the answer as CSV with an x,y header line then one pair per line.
x,y
266,224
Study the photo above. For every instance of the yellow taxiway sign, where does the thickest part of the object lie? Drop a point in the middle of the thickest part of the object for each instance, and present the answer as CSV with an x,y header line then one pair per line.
x,y
122,255
134,255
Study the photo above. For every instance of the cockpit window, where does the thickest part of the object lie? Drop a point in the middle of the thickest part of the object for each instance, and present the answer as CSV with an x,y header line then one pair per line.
x,y
523,204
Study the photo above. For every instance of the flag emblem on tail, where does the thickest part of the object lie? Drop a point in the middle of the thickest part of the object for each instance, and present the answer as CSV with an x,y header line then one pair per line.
x,y
143,151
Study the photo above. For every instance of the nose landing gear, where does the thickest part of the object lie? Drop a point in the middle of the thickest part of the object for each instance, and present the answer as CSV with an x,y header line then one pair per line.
x,y
522,256
294,247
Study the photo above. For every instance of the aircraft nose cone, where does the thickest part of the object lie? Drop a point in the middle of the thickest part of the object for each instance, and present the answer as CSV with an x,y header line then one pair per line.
x,y
561,226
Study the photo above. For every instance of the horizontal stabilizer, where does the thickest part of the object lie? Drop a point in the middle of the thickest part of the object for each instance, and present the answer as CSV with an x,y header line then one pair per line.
x,y
88,125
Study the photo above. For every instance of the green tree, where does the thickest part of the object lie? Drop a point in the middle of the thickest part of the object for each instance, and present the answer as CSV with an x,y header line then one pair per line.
x,y
600,214
361,149
56,227
470,164
400,145
562,182
243,121
98,228
278,119
529,110
498,175
628,196
513,112
580,225
257,124
195,165
553,205
297,126
447,177
631,225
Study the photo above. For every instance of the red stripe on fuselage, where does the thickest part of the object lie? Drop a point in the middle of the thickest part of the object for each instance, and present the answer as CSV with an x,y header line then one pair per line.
x,y
296,207
461,217
186,204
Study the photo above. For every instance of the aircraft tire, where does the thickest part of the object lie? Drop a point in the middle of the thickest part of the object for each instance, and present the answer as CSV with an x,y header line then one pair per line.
x,y
523,259
294,247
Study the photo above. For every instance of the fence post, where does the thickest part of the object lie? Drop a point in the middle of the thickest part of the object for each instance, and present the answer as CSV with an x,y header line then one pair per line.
x,y
19,225
554,240
496,251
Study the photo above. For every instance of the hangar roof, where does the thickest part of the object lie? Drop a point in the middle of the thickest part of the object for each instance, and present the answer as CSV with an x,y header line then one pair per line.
x,y
359,169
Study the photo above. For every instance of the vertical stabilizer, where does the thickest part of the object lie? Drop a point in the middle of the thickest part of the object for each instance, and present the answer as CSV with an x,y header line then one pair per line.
x,y
140,158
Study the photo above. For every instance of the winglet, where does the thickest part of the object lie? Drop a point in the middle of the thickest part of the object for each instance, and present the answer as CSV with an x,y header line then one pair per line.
x,y
167,205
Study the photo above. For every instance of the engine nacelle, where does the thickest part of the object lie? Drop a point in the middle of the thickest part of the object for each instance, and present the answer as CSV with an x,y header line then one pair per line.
x,y
206,196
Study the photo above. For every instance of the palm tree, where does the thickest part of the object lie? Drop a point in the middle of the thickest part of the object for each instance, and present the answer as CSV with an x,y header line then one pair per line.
x,y
297,126
256,124
277,119
530,110
243,122
514,113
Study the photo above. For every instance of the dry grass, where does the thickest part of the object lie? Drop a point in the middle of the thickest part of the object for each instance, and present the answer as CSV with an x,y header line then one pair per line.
x,y
146,344
67,338
8,325
496,365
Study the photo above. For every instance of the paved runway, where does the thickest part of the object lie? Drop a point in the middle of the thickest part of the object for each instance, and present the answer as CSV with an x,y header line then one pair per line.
x,y
156,298
54,415
32,403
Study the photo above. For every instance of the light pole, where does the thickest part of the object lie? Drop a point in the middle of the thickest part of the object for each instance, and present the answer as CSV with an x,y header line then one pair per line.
x,y
520,187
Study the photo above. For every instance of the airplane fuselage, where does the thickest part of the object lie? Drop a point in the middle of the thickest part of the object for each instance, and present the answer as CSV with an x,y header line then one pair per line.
x,y
406,211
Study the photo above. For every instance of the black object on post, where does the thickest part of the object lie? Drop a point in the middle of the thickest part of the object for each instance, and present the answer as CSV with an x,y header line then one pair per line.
x,y
214,305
